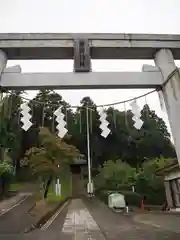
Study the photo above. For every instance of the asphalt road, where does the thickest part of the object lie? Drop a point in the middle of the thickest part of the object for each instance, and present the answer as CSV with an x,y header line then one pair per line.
x,y
13,224
113,226
53,232
16,220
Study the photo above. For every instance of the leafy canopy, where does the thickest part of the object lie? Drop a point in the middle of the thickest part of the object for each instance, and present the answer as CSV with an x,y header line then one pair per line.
x,y
51,156
114,174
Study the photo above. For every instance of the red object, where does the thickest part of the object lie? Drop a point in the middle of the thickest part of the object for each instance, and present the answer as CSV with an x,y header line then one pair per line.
x,y
142,204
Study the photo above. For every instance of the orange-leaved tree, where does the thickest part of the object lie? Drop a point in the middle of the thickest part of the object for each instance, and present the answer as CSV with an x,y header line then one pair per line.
x,y
48,159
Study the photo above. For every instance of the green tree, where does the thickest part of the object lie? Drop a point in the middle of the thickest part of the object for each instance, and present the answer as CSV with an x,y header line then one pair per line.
x,y
10,127
10,141
42,115
149,184
132,145
117,144
153,139
79,133
115,175
48,159
6,165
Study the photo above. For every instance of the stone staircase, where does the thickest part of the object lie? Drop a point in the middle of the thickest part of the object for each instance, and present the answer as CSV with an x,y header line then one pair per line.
x,y
77,185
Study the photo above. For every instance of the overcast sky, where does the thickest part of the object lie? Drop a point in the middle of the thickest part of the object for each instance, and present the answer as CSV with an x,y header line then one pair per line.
x,y
115,16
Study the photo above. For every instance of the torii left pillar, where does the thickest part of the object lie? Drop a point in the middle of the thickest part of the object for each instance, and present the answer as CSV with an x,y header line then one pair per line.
x,y
171,92
3,62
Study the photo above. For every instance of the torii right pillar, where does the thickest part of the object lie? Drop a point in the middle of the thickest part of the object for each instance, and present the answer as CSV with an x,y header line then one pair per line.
x,y
171,91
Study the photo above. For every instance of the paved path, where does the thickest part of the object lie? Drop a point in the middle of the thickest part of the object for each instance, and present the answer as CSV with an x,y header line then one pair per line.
x,y
166,221
8,204
79,223
91,219
16,220
116,226
74,222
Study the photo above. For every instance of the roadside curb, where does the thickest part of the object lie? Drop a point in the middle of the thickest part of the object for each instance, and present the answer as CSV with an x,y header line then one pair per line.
x,y
146,222
22,198
38,223
138,219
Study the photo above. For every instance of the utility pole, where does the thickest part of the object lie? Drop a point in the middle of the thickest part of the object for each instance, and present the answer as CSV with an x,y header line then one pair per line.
x,y
90,184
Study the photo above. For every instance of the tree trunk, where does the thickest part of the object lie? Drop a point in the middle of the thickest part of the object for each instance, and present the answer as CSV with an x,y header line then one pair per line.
x,y
2,186
1,154
47,187
2,178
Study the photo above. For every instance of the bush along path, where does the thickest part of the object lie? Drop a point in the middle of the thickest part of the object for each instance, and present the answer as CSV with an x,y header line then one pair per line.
x,y
136,184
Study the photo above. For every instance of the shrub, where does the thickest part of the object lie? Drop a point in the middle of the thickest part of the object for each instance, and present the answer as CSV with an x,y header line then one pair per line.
x,y
115,174
152,188
132,198
103,196
119,176
150,185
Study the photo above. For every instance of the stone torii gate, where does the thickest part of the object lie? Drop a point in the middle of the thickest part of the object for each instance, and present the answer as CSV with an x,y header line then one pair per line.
x,y
84,47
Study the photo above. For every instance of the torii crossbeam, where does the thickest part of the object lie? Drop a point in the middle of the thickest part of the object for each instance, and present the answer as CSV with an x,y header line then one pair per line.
x,y
84,47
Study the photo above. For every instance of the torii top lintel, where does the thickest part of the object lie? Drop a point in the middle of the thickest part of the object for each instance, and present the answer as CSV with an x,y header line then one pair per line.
x,y
101,45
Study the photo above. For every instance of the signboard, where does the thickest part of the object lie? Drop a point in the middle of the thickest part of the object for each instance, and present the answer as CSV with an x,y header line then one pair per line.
x,y
58,188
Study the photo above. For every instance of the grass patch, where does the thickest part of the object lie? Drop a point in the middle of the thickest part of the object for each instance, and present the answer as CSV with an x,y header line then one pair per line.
x,y
43,209
65,182
16,187
52,197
